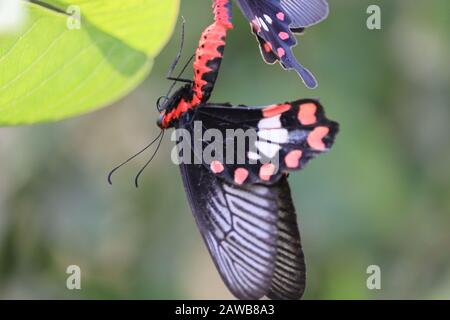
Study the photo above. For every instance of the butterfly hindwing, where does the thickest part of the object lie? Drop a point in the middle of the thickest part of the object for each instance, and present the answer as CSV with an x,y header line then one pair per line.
x,y
305,13
277,139
289,276
251,233
266,48
271,24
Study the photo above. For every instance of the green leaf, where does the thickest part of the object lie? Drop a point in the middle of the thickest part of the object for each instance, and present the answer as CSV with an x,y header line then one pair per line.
x,y
50,70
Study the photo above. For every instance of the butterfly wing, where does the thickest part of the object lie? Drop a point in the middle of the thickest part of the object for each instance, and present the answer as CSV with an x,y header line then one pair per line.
x,y
305,13
251,233
271,24
250,226
262,143
289,275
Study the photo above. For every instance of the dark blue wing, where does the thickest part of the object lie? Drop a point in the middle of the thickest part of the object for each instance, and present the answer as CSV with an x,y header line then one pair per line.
x,y
271,24
305,13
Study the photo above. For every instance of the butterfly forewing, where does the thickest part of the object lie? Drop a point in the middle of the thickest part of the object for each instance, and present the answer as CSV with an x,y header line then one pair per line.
x,y
278,138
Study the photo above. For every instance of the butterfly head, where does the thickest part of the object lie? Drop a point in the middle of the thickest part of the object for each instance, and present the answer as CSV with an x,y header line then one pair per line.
x,y
170,106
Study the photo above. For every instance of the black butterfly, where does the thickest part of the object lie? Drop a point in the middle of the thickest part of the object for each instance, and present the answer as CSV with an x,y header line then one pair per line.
x,y
244,211
274,23
244,208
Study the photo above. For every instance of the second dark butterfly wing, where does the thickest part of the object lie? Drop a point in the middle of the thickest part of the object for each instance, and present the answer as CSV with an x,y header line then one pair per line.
x,y
305,13
251,233
271,24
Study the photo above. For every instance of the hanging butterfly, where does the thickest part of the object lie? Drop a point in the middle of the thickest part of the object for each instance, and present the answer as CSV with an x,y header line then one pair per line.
x,y
245,211
274,23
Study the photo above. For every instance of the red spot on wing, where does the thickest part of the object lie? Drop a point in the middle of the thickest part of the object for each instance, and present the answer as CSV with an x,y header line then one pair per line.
x,y
255,25
315,138
281,52
307,114
267,47
292,159
217,167
283,35
280,16
275,110
266,171
240,175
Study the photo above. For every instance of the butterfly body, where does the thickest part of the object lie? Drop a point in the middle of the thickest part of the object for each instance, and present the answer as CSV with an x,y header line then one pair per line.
x,y
208,58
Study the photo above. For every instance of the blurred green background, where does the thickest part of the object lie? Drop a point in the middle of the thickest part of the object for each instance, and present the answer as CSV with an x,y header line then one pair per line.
x,y
381,196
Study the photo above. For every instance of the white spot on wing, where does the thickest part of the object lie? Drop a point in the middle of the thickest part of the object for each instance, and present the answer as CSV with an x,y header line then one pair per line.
x,y
268,149
274,135
263,24
253,156
268,19
270,123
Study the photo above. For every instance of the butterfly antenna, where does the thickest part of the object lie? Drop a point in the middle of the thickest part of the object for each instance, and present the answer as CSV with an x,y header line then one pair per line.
x,y
131,158
136,179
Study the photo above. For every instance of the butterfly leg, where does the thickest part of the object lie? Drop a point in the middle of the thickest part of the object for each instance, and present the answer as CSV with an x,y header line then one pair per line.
x,y
179,80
